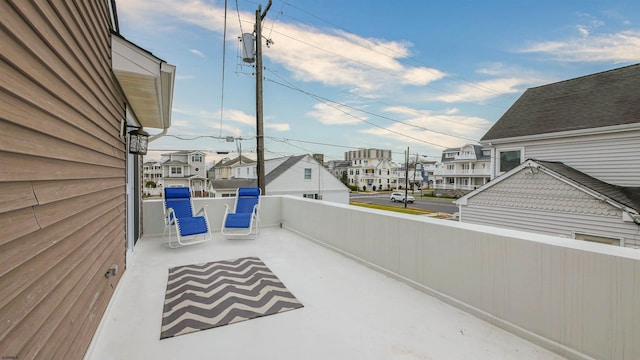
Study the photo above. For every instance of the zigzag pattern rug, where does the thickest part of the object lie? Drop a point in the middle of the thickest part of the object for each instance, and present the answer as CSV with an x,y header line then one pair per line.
x,y
204,296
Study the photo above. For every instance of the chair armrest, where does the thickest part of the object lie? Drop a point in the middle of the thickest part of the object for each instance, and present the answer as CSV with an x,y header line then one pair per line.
x,y
168,216
202,209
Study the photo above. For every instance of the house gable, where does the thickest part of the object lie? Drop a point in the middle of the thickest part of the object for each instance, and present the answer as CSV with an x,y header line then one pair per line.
x,y
555,199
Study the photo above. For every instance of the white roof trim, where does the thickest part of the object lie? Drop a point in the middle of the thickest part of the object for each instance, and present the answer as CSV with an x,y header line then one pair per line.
x,y
563,134
146,80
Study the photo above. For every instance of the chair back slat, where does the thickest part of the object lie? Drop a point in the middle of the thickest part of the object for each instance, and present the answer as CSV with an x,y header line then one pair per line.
x,y
179,199
247,199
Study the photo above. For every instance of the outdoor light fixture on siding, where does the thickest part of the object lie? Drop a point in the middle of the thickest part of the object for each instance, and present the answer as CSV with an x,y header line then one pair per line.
x,y
138,142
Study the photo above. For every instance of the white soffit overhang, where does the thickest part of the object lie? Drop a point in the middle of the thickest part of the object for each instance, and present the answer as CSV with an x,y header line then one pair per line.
x,y
146,80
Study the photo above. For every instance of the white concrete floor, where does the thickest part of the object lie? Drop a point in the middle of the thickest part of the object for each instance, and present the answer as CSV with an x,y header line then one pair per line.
x,y
350,312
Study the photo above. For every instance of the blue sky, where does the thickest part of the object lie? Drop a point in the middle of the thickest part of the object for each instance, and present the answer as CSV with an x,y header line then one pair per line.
x,y
341,75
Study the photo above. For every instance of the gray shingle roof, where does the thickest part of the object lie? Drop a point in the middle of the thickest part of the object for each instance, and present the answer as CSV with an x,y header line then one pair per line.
x,y
602,99
233,183
476,148
628,196
282,168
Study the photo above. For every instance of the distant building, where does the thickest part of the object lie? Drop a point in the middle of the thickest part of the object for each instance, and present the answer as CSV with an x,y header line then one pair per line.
x,y
223,169
300,175
185,168
372,169
464,168
338,168
152,171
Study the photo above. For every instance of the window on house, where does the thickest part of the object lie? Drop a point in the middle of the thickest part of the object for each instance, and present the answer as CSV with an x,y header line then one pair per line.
x,y
196,158
598,239
176,170
509,159
357,172
450,166
307,173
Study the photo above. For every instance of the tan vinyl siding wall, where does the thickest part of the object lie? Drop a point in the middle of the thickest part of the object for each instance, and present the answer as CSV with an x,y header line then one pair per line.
x,y
62,176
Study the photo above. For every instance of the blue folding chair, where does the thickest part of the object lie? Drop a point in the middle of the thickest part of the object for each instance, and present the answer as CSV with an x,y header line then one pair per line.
x,y
244,220
190,228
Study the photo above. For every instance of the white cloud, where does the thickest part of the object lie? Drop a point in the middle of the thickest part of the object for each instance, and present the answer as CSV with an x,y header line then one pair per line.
x,y
341,59
239,116
483,90
311,54
439,131
426,128
334,115
196,52
278,126
618,47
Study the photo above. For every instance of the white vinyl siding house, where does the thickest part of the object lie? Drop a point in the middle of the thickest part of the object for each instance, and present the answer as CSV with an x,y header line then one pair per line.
x,y
579,144
608,156
373,169
300,175
185,168
531,199
464,168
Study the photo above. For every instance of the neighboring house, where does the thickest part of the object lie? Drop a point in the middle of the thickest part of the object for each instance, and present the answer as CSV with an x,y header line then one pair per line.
x,y
372,169
582,137
70,199
338,168
223,170
300,175
555,199
152,172
464,168
428,169
185,168
412,179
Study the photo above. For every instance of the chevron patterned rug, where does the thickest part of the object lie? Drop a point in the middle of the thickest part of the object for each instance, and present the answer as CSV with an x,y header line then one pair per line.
x,y
204,296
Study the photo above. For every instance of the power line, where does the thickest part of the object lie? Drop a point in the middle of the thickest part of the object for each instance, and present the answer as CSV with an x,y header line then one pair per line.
x,y
324,99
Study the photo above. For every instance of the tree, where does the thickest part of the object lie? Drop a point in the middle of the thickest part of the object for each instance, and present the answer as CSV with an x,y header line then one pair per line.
x,y
150,184
344,178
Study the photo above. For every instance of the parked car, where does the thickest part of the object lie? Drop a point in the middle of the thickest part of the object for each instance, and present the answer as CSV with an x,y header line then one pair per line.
x,y
399,196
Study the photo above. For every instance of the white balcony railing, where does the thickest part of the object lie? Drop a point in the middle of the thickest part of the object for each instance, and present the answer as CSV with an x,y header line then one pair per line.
x,y
462,172
572,297
455,187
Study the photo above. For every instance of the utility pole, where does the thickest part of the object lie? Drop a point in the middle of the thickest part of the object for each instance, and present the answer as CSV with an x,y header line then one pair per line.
x,y
415,168
259,122
406,177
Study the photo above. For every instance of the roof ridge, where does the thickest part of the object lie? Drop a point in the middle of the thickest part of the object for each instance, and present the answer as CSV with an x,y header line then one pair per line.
x,y
586,76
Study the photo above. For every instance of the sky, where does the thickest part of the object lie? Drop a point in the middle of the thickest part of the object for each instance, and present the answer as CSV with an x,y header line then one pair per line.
x,y
338,75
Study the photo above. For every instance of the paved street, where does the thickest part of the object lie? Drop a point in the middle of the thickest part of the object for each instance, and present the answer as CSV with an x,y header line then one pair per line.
x,y
433,204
